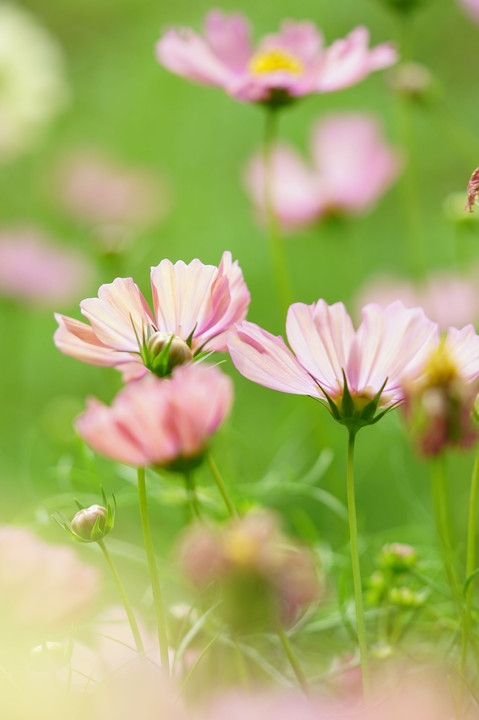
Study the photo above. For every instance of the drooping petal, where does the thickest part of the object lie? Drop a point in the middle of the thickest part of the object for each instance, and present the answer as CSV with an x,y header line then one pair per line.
x,y
266,359
321,336
349,60
76,339
186,53
301,39
119,315
229,37
297,196
463,345
392,343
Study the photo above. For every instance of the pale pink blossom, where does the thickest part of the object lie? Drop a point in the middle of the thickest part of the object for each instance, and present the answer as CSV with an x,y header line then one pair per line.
x,y
160,422
100,190
352,166
44,587
196,303
291,63
39,272
446,297
472,8
390,345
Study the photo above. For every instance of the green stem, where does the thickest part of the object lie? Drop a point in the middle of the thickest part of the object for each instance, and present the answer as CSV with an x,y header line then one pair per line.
x,y
443,525
276,243
124,598
153,570
293,660
221,486
358,595
470,561
192,497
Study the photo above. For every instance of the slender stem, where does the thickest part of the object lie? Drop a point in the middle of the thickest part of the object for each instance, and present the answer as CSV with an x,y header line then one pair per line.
x,y
358,595
443,524
241,664
471,560
124,598
221,486
293,660
153,570
276,243
192,497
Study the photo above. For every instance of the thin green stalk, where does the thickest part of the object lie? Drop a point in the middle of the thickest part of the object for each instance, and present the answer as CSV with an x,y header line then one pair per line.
x,y
192,496
221,485
293,660
443,525
276,243
241,664
124,598
153,570
358,595
470,560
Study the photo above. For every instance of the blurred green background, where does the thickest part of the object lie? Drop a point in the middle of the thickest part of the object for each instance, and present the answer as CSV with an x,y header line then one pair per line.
x,y
124,103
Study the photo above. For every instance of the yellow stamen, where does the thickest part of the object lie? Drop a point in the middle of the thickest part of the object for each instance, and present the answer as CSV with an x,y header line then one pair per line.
x,y
441,368
274,60
240,547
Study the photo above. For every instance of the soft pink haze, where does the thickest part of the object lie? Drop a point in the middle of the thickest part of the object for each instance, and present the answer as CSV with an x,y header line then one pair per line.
x,y
290,63
39,272
351,167
390,344
202,301
160,422
471,7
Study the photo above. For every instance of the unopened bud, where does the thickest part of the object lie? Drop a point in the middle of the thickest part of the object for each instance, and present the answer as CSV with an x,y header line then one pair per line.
x,y
406,598
165,351
91,524
412,80
398,557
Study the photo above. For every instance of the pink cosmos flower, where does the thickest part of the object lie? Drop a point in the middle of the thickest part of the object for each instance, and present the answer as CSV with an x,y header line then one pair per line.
x,y
160,422
287,64
390,345
44,587
447,298
194,304
352,167
100,190
39,272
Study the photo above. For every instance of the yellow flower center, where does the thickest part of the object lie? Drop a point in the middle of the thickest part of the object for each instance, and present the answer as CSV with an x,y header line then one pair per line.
x,y
440,368
274,60
240,547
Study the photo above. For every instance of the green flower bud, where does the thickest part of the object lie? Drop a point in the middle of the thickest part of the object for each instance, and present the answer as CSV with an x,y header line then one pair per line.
x,y
164,351
397,557
405,598
91,524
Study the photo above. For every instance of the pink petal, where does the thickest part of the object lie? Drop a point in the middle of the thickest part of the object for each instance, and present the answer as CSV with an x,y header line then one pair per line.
x,y
321,336
301,39
229,37
189,55
464,348
117,313
297,197
265,359
76,339
238,305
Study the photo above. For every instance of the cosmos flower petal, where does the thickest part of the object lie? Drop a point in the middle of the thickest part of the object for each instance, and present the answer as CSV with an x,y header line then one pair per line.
x,y
186,53
266,359
77,339
229,37
463,346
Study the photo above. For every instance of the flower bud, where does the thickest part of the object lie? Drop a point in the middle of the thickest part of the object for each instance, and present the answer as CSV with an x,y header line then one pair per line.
x,y
91,524
413,81
405,598
165,351
397,557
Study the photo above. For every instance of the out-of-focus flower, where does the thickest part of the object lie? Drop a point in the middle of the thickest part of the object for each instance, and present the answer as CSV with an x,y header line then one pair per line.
x,y
156,422
33,87
439,407
38,272
101,191
447,298
284,65
44,587
352,167
355,371
195,306
397,557
412,80
404,6
261,574
471,7
472,190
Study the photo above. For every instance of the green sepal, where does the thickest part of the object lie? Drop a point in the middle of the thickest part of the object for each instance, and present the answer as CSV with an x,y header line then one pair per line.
x,y
370,409
347,404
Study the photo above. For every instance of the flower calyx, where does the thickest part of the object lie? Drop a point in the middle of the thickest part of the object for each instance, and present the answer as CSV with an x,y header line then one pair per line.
x,y
355,410
91,524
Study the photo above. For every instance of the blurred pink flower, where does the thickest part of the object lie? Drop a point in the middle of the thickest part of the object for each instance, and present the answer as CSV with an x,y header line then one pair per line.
x,y
390,345
352,167
99,190
196,303
471,7
284,65
447,298
160,422
44,587
38,272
